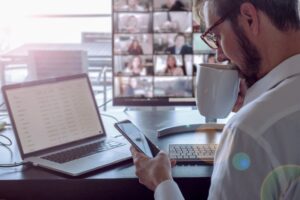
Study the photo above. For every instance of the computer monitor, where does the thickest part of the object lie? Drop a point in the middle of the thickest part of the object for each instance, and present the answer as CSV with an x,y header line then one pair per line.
x,y
156,50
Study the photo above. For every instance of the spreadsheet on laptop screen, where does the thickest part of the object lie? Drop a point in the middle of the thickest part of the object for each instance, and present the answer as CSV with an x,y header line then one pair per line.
x,y
55,113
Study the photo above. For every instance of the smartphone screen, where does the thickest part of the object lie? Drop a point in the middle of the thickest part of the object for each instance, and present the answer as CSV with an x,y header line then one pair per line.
x,y
134,136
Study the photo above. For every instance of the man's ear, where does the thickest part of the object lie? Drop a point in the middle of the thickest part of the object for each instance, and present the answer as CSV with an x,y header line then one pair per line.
x,y
249,17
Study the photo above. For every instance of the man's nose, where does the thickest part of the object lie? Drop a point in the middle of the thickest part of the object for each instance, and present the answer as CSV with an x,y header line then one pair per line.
x,y
221,57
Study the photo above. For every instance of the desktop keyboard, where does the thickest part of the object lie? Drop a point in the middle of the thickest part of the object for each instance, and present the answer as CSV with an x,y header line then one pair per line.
x,y
192,153
82,151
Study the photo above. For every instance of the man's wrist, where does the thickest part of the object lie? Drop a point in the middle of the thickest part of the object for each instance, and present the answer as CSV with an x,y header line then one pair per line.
x,y
168,189
162,179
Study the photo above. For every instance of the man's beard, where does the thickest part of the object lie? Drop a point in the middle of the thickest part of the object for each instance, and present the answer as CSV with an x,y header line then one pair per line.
x,y
250,67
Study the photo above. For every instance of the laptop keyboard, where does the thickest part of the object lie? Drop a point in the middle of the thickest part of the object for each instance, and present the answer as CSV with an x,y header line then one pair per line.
x,y
82,151
192,153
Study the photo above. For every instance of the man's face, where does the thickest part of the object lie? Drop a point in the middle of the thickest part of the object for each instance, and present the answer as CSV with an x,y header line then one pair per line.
x,y
234,46
180,40
251,65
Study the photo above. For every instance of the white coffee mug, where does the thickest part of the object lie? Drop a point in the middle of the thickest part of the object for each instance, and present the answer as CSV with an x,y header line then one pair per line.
x,y
217,89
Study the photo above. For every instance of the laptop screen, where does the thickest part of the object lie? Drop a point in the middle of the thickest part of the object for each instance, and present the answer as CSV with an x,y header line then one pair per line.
x,y
53,113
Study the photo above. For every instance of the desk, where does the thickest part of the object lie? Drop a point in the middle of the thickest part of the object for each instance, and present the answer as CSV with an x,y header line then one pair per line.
x,y
117,182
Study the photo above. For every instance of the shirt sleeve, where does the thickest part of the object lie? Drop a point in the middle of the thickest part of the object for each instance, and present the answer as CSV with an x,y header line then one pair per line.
x,y
168,190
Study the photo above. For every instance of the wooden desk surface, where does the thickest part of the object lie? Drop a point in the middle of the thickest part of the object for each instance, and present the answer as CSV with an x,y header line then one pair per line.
x,y
117,182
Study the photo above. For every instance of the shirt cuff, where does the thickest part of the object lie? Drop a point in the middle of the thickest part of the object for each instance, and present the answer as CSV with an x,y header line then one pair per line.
x,y
168,190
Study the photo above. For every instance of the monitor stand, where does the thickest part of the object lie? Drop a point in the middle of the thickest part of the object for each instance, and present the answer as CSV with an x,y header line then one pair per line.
x,y
210,124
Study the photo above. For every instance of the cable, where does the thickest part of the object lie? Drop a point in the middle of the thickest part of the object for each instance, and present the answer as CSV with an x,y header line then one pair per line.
x,y
2,104
5,144
15,164
104,103
106,115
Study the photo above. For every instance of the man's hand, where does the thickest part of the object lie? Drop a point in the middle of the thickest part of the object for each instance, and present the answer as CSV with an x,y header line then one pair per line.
x,y
241,96
152,171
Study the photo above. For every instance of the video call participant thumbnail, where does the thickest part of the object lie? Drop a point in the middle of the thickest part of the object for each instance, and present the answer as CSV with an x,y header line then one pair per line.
x,y
133,23
173,5
180,46
135,48
133,65
133,44
170,65
172,22
133,86
173,87
132,5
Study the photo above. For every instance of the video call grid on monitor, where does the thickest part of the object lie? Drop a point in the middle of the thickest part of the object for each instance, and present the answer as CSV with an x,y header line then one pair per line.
x,y
156,50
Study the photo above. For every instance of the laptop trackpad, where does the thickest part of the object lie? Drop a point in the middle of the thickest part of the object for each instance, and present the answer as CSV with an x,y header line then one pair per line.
x,y
98,160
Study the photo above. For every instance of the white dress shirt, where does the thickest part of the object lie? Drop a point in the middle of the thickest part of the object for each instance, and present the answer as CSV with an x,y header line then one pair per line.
x,y
259,153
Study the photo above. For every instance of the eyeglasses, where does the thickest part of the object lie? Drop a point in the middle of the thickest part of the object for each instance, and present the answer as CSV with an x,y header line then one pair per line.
x,y
209,37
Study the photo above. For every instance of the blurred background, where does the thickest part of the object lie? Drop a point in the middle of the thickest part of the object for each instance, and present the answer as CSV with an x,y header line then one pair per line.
x,y
34,29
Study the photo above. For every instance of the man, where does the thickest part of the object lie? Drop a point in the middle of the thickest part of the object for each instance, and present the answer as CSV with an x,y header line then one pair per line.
x,y
211,58
173,5
258,155
180,47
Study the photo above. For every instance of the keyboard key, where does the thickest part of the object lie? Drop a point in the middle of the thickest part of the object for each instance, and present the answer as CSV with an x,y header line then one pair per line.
x,y
82,151
192,153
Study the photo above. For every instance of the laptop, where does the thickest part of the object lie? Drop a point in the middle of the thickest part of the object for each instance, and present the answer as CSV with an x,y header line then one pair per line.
x,y
58,126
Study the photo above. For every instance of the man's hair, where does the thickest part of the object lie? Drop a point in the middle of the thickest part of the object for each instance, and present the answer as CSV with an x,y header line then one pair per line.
x,y
284,14
179,35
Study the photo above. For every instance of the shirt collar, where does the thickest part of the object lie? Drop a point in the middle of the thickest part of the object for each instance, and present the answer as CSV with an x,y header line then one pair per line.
x,y
177,50
284,70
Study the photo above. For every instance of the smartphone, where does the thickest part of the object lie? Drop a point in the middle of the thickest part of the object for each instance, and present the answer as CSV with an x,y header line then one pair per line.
x,y
136,138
